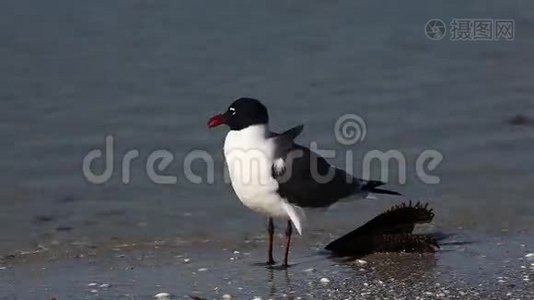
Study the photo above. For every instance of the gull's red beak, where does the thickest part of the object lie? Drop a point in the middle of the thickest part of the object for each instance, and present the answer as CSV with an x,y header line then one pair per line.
x,y
216,121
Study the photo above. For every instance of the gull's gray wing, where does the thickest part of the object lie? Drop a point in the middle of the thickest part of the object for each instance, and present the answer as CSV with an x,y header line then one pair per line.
x,y
299,172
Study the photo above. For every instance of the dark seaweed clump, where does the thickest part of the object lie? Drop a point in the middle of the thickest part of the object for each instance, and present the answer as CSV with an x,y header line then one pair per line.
x,y
390,231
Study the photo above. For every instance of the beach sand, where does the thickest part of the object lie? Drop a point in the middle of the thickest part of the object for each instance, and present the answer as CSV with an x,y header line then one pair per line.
x,y
468,266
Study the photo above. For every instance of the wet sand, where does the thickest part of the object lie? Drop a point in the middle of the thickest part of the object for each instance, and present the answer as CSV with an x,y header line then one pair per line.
x,y
468,266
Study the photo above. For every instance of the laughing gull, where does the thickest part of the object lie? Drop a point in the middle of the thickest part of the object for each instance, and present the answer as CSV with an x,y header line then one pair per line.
x,y
274,176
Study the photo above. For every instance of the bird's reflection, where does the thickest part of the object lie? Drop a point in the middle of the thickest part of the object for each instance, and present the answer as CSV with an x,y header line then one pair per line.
x,y
284,287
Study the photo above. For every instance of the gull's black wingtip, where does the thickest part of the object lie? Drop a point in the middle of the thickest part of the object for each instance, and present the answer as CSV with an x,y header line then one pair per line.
x,y
385,192
371,187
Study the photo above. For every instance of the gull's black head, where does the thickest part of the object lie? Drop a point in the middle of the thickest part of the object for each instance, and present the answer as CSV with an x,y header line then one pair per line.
x,y
242,113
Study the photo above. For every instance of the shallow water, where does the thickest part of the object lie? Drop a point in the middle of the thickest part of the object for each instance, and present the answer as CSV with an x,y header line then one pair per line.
x,y
151,74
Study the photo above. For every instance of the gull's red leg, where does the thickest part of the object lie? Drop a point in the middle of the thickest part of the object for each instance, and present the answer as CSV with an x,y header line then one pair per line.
x,y
289,230
270,230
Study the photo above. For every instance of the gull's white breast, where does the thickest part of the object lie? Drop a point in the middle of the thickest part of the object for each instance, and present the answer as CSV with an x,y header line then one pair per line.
x,y
249,155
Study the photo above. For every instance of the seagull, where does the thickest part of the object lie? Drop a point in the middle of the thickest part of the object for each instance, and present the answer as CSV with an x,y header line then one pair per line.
x,y
274,176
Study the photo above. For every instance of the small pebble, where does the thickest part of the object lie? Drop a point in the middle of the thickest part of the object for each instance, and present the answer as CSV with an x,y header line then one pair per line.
x,y
236,252
310,270
325,280
202,269
2,268
361,261
92,284
162,296
256,298
105,285
186,260
94,291
530,257
227,296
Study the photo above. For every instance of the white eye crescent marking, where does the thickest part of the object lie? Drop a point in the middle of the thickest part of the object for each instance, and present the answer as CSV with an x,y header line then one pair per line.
x,y
232,110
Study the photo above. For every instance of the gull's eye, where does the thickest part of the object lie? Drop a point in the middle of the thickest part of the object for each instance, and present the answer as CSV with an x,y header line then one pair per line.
x,y
232,110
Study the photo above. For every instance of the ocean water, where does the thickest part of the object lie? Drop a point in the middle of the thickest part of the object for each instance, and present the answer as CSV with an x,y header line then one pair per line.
x,y
151,73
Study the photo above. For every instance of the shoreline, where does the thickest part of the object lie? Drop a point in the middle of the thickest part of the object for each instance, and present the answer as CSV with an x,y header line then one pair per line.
x,y
469,265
